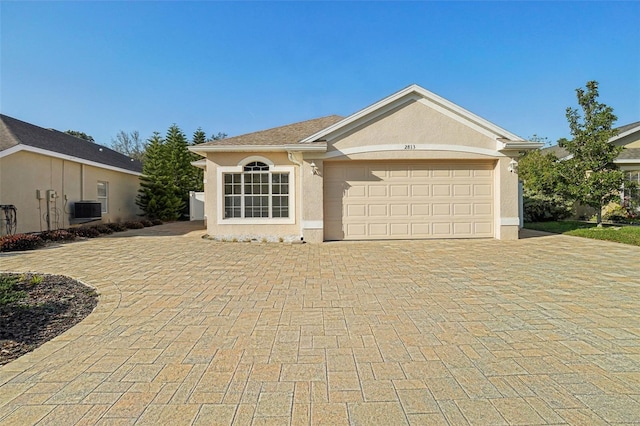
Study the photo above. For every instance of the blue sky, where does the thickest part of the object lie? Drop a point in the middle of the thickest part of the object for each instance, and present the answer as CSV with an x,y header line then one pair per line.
x,y
237,67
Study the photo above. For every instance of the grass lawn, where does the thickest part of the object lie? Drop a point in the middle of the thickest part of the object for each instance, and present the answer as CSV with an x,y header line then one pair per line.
x,y
624,234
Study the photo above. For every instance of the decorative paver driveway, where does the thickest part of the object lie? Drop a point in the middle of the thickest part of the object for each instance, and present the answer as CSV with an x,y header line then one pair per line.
x,y
542,330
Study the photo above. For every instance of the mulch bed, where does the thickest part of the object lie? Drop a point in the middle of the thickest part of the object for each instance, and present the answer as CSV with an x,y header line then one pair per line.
x,y
52,304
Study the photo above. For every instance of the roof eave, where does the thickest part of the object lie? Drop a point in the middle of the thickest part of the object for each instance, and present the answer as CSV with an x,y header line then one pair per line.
x,y
204,149
508,145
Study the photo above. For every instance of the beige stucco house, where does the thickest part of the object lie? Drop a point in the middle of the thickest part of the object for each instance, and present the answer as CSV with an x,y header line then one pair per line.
x,y
410,166
55,180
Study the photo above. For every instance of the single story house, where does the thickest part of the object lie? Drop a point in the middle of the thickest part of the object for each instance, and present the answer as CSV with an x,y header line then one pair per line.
x,y
411,166
51,180
628,160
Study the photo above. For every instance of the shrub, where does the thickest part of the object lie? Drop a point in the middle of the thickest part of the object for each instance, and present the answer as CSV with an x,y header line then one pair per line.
x,y
146,222
20,242
103,229
544,208
116,227
134,224
614,212
57,235
156,222
85,232
9,291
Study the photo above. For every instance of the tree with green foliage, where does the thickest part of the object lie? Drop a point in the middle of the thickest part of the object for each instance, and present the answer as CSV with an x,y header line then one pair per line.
x,y
539,174
159,196
179,169
590,175
81,135
199,136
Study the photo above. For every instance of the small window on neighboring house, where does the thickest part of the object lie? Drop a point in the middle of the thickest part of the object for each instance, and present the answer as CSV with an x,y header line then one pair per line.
x,y
103,196
256,192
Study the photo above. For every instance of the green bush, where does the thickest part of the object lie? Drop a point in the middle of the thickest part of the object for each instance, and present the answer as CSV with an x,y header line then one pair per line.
x,y
116,227
103,229
9,291
85,232
20,242
544,208
134,225
57,235
615,213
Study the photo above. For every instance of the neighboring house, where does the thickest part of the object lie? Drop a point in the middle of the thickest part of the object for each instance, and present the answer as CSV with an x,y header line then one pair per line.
x,y
628,160
44,173
412,165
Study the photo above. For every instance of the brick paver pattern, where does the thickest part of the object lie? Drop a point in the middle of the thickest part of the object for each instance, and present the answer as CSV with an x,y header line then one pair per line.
x,y
543,330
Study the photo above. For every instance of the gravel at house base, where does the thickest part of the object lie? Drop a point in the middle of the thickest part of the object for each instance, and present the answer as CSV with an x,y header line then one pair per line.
x,y
52,305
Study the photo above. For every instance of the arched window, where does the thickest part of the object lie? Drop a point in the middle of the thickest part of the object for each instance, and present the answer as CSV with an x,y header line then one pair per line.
x,y
257,192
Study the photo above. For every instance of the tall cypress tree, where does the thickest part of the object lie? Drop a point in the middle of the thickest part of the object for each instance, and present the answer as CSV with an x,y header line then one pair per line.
x,y
199,136
158,196
179,168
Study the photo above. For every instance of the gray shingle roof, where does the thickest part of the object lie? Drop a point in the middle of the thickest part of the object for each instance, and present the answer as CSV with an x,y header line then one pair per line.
x,y
14,132
626,154
283,135
630,154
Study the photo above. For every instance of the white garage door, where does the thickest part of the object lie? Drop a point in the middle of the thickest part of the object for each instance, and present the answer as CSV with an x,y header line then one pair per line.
x,y
393,200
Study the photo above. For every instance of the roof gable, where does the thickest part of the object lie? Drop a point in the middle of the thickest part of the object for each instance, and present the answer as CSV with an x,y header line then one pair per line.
x,y
411,94
16,135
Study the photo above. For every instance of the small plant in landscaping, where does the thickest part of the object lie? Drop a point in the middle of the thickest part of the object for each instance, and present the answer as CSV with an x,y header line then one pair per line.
x,y
9,291
20,242
103,229
57,235
146,222
116,227
85,232
134,225
36,279
157,222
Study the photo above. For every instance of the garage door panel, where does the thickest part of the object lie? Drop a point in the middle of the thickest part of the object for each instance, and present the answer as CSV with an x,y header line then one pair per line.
x,y
462,229
464,209
441,190
356,191
356,210
482,209
399,230
399,210
441,209
480,190
379,229
420,209
462,190
399,190
420,190
378,191
376,200
378,210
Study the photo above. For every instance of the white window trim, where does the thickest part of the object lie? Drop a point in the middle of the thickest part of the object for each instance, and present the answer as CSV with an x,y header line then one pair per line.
x,y
105,198
256,220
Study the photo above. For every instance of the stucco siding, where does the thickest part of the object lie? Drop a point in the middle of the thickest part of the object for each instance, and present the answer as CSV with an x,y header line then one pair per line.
x,y
413,124
218,227
23,173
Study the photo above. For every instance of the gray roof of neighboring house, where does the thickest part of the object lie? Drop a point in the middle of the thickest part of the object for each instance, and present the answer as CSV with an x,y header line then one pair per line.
x,y
626,154
283,135
14,132
630,154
